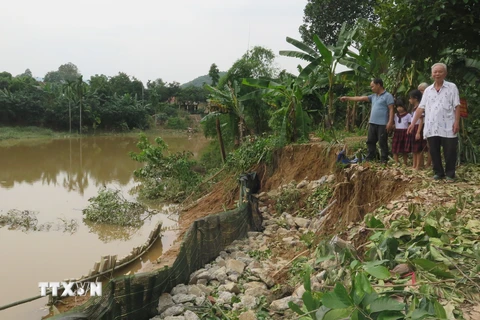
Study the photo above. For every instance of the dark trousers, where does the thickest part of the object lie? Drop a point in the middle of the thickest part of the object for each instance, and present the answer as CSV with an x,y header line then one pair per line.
x,y
449,146
377,133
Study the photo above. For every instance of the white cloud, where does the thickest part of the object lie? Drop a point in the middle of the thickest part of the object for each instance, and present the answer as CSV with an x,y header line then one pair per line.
x,y
173,40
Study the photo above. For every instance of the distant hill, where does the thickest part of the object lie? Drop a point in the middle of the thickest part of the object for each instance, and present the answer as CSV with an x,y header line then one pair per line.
x,y
198,82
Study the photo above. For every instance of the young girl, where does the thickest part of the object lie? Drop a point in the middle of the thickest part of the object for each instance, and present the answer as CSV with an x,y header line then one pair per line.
x,y
417,144
400,143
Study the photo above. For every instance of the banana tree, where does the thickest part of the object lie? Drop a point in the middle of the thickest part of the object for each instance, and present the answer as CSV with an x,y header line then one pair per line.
x,y
286,96
324,59
227,101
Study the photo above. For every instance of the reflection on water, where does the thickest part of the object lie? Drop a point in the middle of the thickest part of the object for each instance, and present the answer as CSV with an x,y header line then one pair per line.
x,y
107,233
71,163
55,179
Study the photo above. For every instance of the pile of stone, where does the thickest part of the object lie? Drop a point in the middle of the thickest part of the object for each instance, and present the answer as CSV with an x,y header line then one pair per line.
x,y
241,282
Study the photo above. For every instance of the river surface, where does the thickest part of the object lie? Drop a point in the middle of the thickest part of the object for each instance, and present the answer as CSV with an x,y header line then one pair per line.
x,y
54,180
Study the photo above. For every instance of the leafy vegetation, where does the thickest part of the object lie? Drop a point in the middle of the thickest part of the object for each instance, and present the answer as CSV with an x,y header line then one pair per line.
x,y
26,221
288,199
164,176
324,18
316,201
24,132
109,207
417,262
66,101
255,150
260,254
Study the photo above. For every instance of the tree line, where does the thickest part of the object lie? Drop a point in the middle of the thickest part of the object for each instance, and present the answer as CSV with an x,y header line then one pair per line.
x,y
64,100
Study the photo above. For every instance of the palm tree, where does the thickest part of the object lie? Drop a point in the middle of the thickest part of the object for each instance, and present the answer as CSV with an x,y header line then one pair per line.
x,y
67,89
80,89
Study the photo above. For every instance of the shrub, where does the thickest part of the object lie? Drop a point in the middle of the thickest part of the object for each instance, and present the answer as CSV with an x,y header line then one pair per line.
x,y
177,123
111,208
252,151
166,177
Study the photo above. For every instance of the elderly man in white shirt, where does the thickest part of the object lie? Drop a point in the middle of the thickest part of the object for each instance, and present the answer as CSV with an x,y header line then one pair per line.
x,y
441,103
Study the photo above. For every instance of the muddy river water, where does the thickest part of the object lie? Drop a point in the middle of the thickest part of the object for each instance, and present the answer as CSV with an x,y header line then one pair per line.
x,y
54,179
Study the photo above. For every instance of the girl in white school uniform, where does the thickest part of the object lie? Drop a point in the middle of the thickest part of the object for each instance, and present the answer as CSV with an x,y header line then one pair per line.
x,y
401,143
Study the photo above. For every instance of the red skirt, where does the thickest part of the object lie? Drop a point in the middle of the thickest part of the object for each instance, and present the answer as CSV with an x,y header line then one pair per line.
x,y
417,145
401,141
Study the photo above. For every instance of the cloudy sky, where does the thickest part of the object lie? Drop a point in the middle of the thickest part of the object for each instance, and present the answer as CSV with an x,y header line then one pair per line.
x,y
176,40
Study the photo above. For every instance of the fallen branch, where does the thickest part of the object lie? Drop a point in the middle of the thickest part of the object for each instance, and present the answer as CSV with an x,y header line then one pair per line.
x,y
289,262
201,184
327,207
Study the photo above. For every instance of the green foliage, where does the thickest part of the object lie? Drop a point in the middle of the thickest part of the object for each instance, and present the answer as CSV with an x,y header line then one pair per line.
x,y
214,74
438,25
252,152
164,176
325,17
226,99
257,62
298,270
177,123
110,207
308,238
24,132
437,251
288,199
66,72
316,201
322,64
64,100
362,301
211,157
260,255
27,221
286,97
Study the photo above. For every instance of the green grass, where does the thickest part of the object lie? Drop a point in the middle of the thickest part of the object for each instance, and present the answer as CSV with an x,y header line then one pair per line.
x,y
7,133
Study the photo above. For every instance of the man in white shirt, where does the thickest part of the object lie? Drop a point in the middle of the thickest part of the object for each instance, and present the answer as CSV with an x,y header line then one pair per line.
x,y
440,102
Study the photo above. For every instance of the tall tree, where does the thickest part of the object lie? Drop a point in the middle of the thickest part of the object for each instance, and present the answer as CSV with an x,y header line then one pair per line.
x,y
417,30
5,78
258,63
66,72
67,90
27,73
173,89
80,89
121,84
214,74
137,89
325,17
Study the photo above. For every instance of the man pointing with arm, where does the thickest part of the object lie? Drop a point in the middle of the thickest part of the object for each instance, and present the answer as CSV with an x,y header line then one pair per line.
x,y
381,119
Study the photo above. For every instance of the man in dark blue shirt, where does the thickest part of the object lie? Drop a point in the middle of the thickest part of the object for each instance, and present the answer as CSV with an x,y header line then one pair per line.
x,y
381,119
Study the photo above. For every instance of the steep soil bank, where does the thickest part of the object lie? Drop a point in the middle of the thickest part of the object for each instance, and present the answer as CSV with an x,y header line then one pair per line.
x,y
360,190
298,162
294,162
